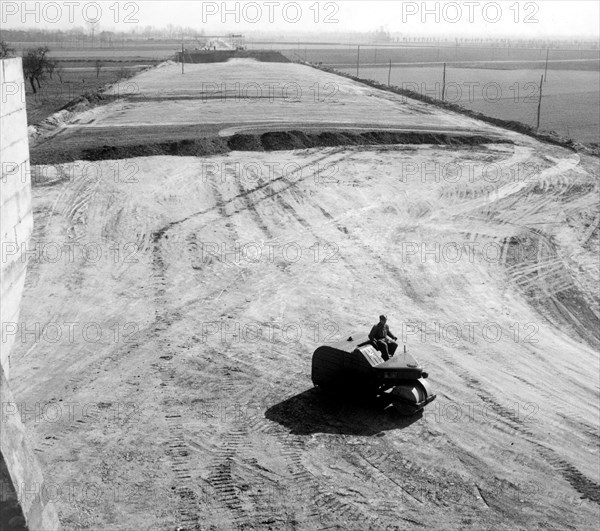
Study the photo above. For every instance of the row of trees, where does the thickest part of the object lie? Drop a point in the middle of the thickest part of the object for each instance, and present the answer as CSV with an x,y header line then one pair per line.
x,y
494,42
100,37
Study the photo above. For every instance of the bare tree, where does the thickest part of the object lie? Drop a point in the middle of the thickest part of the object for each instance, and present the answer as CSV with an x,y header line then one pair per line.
x,y
6,50
60,72
36,65
93,25
51,67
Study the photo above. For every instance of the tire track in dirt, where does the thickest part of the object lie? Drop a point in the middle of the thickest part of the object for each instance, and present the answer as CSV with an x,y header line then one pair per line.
x,y
292,447
544,274
232,441
235,440
245,511
325,505
188,513
219,207
588,488
378,260
309,228
380,460
250,207
420,490
76,201
42,217
570,415
72,203
509,417
179,456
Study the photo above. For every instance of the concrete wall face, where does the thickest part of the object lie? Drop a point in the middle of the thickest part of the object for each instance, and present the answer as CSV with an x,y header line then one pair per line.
x,y
16,226
16,219
32,491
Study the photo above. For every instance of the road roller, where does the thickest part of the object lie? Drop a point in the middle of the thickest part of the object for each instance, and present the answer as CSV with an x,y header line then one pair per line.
x,y
356,368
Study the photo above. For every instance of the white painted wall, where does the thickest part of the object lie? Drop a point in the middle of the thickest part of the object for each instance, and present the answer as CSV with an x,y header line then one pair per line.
x,y
16,219
16,226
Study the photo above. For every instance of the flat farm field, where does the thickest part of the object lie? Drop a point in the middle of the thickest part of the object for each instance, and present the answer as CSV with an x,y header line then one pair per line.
x,y
570,104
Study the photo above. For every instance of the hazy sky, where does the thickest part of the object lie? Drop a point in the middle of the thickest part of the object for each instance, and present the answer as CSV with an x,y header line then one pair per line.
x,y
541,18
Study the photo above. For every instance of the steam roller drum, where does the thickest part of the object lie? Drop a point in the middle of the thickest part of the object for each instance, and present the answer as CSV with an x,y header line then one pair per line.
x,y
411,397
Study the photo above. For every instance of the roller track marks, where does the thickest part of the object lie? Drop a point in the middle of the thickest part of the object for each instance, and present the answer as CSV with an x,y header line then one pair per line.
x,y
221,477
325,506
188,512
221,205
244,511
188,517
378,260
588,488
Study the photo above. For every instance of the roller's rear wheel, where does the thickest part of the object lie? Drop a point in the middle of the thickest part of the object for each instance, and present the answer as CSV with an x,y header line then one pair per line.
x,y
409,399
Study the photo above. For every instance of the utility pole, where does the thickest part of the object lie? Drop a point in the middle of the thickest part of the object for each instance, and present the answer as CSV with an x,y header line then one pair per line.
x,y
357,60
546,70
182,58
444,83
390,73
540,102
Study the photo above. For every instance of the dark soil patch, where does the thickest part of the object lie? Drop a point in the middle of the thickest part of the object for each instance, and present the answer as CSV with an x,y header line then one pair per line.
x,y
271,141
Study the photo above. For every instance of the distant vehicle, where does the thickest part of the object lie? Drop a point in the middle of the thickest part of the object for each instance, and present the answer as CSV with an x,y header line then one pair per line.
x,y
240,48
355,367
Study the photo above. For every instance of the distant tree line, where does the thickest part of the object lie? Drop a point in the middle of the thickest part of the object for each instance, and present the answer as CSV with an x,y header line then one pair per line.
x,y
94,36
500,43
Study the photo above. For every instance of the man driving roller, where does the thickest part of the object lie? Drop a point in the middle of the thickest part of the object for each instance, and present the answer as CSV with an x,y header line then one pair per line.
x,y
380,336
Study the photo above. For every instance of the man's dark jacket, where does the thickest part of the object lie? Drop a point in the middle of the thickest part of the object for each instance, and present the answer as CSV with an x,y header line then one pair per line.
x,y
381,331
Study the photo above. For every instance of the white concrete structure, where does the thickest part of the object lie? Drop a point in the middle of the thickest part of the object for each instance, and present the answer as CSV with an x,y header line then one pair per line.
x,y
16,220
16,225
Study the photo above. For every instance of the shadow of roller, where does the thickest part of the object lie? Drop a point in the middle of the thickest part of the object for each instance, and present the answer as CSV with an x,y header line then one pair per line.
x,y
313,411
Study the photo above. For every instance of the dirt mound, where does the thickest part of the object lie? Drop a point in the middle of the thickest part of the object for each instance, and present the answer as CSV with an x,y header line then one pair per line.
x,y
245,143
272,141
182,148
222,56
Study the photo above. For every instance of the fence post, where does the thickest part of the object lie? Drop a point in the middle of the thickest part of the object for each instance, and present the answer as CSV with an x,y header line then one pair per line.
x,y
539,103
444,83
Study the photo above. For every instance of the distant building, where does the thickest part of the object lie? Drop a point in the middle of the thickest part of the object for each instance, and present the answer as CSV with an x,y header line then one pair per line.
x,y
382,35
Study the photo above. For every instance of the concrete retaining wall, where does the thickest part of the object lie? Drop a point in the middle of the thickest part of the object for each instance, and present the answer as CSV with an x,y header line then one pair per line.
x,y
16,226
25,473
16,220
